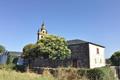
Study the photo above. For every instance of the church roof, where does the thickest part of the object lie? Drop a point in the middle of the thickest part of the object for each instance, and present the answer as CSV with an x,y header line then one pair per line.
x,y
77,41
43,26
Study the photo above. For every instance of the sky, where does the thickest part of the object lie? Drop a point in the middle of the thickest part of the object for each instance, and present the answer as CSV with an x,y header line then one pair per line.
x,y
96,21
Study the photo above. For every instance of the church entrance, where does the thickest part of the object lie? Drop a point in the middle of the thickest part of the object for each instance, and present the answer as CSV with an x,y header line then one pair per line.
x,y
74,63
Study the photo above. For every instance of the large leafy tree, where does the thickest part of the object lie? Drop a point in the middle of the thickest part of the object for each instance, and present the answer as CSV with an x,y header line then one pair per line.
x,y
115,58
54,46
50,46
28,50
2,48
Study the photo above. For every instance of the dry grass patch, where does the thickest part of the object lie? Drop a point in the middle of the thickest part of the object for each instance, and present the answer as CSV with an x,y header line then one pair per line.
x,y
13,75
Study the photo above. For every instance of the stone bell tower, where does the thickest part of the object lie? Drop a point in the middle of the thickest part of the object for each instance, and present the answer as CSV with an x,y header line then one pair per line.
x,y
41,32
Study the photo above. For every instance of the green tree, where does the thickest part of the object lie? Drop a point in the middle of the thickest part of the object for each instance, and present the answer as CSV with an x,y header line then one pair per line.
x,y
2,48
50,46
28,53
115,58
28,50
53,46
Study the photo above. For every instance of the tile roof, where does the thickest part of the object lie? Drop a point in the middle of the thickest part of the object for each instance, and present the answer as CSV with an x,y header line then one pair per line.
x,y
78,41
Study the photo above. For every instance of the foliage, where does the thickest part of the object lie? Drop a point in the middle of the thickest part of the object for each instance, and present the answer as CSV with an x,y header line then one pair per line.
x,y
9,59
50,46
11,62
7,66
94,74
28,50
54,46
115,58
21,68
104,73
2,48
82,72
108,62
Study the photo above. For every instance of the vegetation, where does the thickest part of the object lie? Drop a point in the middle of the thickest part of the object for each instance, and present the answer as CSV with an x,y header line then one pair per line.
x,y
13,75
52,47
28,51
115,58
2,48
104,73
10,62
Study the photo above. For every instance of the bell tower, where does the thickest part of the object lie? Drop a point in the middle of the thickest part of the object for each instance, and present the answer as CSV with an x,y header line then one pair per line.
x,y
41,32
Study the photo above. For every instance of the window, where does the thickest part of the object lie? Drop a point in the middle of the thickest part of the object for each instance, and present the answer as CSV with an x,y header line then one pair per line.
x,y
98,51
95,61
44,31
100,60
41,36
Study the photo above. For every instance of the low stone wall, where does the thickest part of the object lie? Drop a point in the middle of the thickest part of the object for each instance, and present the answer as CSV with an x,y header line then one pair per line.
x,y
116,70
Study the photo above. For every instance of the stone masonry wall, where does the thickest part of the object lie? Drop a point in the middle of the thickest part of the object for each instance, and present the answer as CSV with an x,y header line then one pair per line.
x,y
80,52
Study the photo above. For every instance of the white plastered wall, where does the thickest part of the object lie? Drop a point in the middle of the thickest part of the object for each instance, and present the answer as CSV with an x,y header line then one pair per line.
x,y
95,59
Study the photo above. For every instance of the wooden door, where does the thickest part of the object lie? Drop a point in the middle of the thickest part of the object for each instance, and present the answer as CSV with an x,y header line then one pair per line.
x,y
75,63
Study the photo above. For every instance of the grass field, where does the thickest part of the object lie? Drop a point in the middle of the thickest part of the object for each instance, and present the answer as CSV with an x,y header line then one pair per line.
x,y
60,74
13,75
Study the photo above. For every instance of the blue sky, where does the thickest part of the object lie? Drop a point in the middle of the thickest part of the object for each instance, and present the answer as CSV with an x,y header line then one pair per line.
x,y
96,21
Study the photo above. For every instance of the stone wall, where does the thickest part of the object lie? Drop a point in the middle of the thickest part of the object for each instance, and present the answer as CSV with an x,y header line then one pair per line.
x,y
79,58
38,62
80,52
116,70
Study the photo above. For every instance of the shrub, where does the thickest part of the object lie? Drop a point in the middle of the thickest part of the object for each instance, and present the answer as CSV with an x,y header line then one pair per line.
x,y
104,73
82,72
10,63
95,74
115,59
21,68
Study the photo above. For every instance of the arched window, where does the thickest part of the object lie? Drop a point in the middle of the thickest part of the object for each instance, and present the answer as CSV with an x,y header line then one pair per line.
x,y
43,31
42,36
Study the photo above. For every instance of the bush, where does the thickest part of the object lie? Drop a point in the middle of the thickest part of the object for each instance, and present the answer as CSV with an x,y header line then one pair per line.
x,y
95,74
82,72
7,66
104,73
2,49
11,59
21,68
10,63
115,59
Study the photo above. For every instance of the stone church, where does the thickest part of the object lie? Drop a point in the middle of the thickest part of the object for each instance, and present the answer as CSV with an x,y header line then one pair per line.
x,y
84,54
